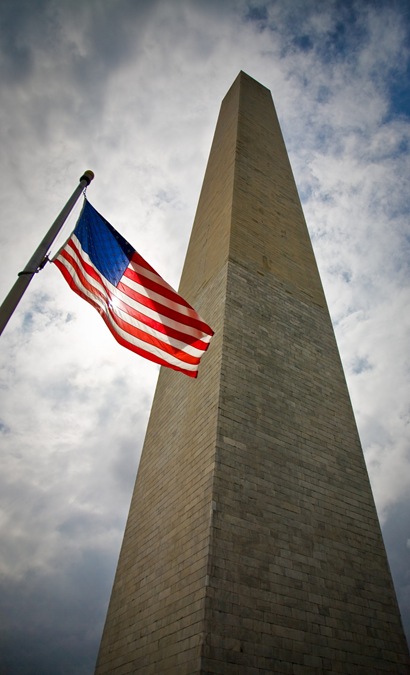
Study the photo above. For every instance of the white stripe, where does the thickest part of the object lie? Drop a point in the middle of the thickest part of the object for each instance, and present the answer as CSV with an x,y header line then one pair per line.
x,y
189,331
158,297
154,276
182,346
151,349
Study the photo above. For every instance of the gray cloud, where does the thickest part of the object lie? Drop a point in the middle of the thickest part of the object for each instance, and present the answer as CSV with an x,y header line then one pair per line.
x,y
54,619
396,533
132,90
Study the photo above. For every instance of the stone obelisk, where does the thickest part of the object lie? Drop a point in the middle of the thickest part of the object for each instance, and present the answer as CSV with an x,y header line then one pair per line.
x,y
252,544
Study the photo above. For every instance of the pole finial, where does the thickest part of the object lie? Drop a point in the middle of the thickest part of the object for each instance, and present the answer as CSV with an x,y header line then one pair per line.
x,y
87,176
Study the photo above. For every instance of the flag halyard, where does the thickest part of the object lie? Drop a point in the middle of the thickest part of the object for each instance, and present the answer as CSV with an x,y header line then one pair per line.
x,y
141,310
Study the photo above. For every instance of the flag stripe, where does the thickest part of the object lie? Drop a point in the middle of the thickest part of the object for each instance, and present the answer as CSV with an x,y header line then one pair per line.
x,y
120,339
149,316
115,315
145,270
150,298
140,309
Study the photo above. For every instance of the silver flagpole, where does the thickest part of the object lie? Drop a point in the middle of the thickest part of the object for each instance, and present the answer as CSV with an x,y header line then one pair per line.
x,y
39,258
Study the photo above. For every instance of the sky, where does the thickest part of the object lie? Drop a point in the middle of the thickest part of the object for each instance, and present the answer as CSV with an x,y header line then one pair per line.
x,y
132,90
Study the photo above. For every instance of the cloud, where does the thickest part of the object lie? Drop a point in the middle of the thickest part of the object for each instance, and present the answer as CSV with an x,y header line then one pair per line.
x,y
396,532
52,603
132,91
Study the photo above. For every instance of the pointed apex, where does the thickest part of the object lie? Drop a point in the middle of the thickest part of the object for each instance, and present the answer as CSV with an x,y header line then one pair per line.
x,y
243,77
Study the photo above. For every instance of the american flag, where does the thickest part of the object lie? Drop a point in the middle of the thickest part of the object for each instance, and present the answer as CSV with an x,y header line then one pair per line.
x,y
140,309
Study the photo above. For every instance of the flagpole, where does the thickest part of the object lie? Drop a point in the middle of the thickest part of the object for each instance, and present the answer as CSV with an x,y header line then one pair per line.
x,y
39,257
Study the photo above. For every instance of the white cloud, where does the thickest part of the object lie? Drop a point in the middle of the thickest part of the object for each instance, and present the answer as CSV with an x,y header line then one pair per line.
x,y
133,93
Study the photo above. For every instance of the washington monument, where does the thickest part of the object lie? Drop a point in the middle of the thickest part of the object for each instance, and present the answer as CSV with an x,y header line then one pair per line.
x,y
252,544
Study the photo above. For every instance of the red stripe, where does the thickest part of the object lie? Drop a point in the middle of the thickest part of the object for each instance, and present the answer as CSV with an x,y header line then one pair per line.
x,y
107,305
187,340
119,339
158,307
170,332
150,339
71,282
148,355
160,286
91,271
133,331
